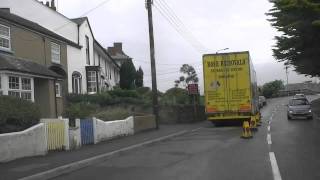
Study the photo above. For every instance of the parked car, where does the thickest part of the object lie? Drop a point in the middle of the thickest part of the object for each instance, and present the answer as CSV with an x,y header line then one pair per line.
x,y
299,107
262,101
298,96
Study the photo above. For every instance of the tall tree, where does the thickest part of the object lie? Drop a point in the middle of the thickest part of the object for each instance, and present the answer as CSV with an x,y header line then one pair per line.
x,y
299,44
139,78
127,75
189,76
272,88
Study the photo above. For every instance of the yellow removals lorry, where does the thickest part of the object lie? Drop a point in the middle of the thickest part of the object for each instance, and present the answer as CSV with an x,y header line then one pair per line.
x,y
230,87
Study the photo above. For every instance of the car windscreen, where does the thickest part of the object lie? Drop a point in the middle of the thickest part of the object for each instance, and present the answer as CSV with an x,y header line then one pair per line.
x,y
297,102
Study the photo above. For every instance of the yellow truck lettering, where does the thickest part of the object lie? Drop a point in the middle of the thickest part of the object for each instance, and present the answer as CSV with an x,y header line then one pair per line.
x,y
229,85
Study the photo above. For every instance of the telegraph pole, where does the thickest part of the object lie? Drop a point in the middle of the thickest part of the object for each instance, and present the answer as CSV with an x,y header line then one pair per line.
x,y
153,64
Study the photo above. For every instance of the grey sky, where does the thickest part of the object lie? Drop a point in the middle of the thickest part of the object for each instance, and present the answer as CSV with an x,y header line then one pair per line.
x,y
239,25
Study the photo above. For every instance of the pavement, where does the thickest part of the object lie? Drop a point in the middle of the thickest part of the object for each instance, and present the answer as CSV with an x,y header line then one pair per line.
x,y
29,166
280,149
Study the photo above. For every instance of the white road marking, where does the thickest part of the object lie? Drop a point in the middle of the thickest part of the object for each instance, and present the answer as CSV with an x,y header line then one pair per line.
x,y
269,139
269,128
274,166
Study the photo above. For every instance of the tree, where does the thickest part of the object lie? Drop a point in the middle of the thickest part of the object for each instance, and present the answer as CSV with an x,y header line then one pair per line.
x,y
139,78
271,89
299,44
190,76
127,75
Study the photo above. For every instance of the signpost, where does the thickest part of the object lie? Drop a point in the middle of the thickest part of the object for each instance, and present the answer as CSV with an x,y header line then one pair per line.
x,y
193,90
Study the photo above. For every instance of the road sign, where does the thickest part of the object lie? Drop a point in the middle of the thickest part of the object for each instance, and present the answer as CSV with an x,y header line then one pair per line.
x,y
193,89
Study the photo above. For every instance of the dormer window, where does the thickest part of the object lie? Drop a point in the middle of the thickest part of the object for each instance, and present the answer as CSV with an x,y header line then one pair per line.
x,y
5,42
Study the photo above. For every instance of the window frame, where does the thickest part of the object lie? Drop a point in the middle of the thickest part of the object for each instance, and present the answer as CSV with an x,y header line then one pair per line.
x,y
92,86
54,53
20,89
1,86
57,87
7,38
76,76
87,50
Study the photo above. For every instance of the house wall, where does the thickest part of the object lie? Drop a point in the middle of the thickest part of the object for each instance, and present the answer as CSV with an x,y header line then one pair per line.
x,y
77,58
44,97
43,15
36,47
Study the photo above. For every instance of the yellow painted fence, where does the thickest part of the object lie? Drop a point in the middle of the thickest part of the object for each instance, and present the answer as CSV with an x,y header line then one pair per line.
x,y
57,133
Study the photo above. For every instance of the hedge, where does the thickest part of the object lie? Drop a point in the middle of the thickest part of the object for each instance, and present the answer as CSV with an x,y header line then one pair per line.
x,y
17,114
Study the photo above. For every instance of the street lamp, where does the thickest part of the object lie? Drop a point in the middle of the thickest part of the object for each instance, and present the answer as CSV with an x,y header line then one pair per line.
x,y
221,50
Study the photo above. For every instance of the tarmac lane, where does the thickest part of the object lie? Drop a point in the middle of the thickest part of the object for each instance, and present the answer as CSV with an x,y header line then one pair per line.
x,y
207,153
296,144
280,149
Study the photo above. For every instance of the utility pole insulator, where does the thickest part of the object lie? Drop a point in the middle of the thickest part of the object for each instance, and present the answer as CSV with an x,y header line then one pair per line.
x,y
153,64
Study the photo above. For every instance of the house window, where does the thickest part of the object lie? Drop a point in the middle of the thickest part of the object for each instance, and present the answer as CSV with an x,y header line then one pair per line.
x,y
20,87
76,82
110,74
55,53
58,89
1,93
87,50
99,57
92,81
5,37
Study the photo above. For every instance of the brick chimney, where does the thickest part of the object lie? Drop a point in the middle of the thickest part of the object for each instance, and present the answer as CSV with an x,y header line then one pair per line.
x,y
53,6
118,46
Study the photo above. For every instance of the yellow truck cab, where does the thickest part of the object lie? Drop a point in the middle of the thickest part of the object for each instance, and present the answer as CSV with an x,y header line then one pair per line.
x,y
230,87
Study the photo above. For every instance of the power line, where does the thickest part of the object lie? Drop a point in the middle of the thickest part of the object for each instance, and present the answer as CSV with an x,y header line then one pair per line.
x,y
178,20
178,25
84,14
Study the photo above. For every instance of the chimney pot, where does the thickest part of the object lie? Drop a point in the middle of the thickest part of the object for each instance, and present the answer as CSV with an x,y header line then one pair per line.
x,y
47,4
53,6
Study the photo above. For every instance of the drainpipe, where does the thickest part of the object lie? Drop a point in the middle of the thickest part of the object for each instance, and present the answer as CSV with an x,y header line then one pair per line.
x,y
78,34
55,97
44,50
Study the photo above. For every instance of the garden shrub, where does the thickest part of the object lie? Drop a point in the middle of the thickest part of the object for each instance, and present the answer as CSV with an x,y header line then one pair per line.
x,y
80,110
17,114
113,114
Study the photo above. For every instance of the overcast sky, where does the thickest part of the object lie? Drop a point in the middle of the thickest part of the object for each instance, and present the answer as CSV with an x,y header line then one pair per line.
x,y
235,24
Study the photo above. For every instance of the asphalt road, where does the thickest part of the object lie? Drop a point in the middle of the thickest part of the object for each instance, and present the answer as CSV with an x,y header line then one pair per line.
x,y
219,153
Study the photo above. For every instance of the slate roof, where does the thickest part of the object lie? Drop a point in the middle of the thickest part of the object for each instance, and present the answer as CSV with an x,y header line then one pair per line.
x,y
34,26
11,63
106,52
80,20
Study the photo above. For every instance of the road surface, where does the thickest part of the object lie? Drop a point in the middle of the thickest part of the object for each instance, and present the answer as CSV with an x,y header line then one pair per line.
x,y
281,149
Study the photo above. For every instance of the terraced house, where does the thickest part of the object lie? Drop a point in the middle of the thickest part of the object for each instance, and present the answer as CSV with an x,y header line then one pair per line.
x,y
33,63
84,72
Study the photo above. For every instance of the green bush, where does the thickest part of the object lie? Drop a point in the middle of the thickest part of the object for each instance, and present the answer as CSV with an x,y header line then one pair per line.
x,y
113,114
17,114
175,96
124,93
80,110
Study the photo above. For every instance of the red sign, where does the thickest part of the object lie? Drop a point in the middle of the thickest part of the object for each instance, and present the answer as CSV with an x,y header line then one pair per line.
x,y
193,89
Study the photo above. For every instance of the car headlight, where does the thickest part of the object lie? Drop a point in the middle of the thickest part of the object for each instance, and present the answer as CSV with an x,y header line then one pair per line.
x,y
310,111
290,112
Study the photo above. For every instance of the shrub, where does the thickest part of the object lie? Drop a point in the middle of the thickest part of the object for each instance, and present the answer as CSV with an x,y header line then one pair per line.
x,y
17,114
175,96
113,114
123,93
80,110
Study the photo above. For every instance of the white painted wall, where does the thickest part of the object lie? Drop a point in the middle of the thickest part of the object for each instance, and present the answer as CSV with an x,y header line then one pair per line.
x,y
76,62
46,17
107,68
111,129
31,142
